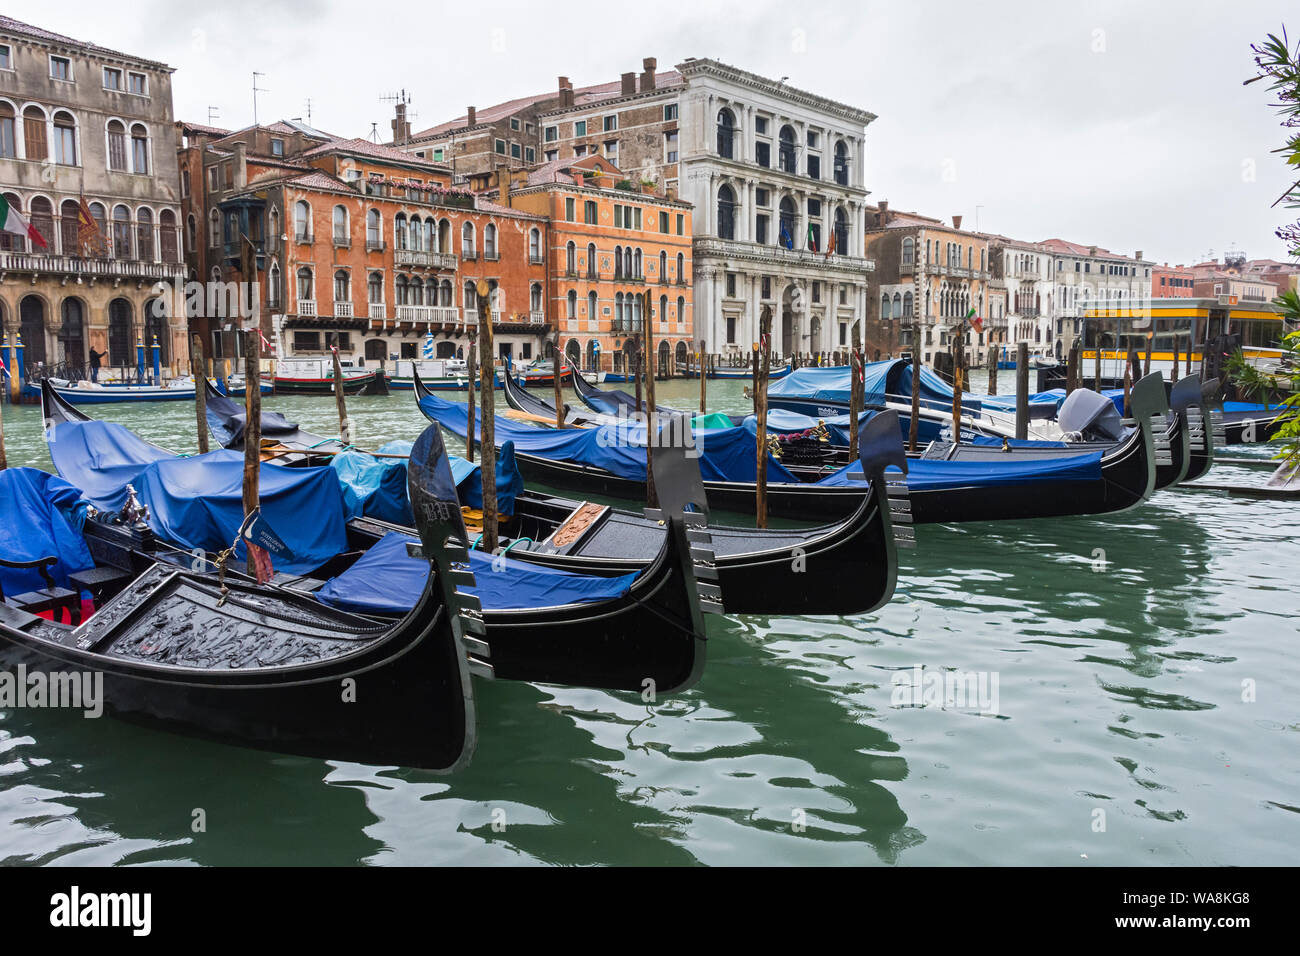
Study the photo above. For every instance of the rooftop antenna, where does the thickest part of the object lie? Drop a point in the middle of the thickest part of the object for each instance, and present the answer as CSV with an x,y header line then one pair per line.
x,y
214,113
257,89
309,111
374,133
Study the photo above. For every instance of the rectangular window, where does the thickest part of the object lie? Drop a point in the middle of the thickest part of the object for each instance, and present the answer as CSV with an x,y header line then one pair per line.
x,y
681,221
579,152
437,155
670,112
277,147
551,155
731,285
767,287
760,124
761,197
760,230
663,222
514,122
670,147
763,154
568,208
812,139
731,330
34,137
500,146
580,128
814,207
60,68
816,291
618,216
611,151
138,84
814,167
551,134
6,57
530,156
589,212
112,78
611,123
515,151
304,341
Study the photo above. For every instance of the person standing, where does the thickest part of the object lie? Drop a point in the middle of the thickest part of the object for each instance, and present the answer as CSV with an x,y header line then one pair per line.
x,y
94,364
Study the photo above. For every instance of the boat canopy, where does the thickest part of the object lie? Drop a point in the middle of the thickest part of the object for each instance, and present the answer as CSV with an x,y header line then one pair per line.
x,y
1089,413
468,477
374,487
725,454
833,383
42,517
386,580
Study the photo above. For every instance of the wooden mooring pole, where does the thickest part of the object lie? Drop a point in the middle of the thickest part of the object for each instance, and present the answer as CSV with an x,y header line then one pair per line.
x,y
340,399
471,364
487,430
651,426
199,367
252,424
1022,390
762,361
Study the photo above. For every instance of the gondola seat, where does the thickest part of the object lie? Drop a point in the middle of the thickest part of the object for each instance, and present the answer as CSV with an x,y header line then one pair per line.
x,y
49,598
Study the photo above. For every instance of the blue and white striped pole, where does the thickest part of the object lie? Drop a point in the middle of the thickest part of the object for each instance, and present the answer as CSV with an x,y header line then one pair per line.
x,y
428,344
157,362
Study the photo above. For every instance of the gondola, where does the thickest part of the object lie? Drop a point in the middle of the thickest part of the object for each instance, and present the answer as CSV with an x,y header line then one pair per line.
x,y
979,489
525,402
268,668
647,628
848,567
606,401
227,420
354,383
1246,423
741,373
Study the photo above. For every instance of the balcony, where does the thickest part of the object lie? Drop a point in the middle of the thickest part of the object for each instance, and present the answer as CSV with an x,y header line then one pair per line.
x,y
955,272
343,310
88,268
378,310
777,256
536,259
306,306
429,313
342,242
375,245
425,260
304,239
537,318
469,255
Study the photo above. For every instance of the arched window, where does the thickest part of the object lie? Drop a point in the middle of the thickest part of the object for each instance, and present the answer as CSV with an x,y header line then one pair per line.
x,y
884,307
490,241
571,305
618,262
191,234
36,146
786,212
636,264
786,150
374,230
167,236
841,231
306,291
726,212
467,249
342,287
898,306
121,232
445,294
841,163
8,137
416,292
663,265
65,139
403,291
726,133
10,241
400,238
593,306
535,297
909,250
627,262
681,268
100,215
274,294
681,311
301,221
571,258
416,230
214,229
444,235
593,269
73,334
340,226
121,348
431,235
535,245
471,296
375,288
139,150
907,304
663,310
155,330
69,213
144,234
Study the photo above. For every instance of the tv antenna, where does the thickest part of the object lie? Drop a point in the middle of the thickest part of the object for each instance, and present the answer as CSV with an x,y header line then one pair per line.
x,y
214,113
401,96
309,111
374,133
257,89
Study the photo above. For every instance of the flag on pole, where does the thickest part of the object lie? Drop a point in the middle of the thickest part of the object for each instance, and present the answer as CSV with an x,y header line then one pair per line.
x,y
812,239
830,245
90,238
787,240
11,221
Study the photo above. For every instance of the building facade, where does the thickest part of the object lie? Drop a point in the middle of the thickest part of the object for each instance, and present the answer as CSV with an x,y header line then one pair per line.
x,y
362,248
928,278
617,251
1172,282
1091,276
78,120
1025,272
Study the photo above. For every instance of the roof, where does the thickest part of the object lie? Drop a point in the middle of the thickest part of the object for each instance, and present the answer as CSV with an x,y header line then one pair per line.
x,y
204,130
298,126
364,147
1075,249
10,25
583,96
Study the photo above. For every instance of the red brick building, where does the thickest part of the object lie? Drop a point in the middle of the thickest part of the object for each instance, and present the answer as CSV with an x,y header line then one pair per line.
x,y
1172,282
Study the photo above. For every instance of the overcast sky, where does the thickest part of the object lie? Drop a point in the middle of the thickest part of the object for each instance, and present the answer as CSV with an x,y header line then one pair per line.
x,y
1120,124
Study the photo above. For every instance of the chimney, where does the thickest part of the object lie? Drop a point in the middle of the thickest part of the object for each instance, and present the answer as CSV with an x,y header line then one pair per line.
x,y
648,73
629,84
401,126
882,216
471,116
566,92
503,186
956,222
1138,255
241,165
1092,250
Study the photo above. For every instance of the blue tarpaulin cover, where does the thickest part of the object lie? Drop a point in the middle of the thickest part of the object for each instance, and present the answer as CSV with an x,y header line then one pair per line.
x,y
928,475
468,476
198,502
385,580
726,454
101,459
375,487
832,383
39,511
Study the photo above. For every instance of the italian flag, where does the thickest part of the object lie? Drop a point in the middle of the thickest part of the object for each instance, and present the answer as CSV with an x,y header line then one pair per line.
x,y
11,221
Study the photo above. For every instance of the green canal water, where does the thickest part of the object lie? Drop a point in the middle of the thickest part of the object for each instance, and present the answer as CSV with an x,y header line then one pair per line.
x,y
1146,712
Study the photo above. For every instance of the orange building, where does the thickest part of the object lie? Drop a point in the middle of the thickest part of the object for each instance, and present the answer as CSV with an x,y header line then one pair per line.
x,y
359,247
616,250
1172,282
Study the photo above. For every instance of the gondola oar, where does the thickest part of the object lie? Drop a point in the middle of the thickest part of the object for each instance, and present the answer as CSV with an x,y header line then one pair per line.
x,y
345,430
